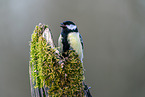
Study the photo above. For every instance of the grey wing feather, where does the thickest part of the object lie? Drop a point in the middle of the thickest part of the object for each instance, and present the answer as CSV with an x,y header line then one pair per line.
x,y
81,39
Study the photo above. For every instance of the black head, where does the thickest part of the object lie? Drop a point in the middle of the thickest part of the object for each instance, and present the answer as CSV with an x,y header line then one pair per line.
x,y
67,23
69,26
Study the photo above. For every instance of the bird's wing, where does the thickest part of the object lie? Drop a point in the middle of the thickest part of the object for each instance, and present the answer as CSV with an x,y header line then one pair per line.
x,y
81,39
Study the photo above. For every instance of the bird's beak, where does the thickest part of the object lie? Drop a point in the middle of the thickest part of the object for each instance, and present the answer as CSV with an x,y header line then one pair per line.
x,y
62,25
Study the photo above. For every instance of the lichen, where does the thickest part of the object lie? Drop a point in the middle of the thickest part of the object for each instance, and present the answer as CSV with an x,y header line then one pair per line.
x,y
63,76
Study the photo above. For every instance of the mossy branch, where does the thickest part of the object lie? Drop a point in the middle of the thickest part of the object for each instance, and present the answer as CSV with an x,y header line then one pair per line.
x,y
52,75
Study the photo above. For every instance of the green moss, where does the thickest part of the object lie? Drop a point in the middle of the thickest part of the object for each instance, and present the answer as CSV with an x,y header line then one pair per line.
x,y
63,76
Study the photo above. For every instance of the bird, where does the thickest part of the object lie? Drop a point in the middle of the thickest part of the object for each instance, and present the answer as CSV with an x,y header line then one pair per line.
x,y
70,39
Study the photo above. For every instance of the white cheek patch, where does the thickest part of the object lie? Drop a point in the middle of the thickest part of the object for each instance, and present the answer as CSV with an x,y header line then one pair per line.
x,y
72,27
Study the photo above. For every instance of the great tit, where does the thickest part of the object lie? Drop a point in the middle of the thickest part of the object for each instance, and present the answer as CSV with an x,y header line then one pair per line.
x,y
70,39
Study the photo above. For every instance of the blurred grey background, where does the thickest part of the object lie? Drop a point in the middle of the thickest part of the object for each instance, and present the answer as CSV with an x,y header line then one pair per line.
x,y
114,38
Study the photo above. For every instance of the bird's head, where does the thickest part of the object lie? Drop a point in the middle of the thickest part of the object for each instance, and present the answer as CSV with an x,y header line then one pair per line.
x,y
69,26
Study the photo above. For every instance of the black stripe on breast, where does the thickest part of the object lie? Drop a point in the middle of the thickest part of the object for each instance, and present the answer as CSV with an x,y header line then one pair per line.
x,y
65,43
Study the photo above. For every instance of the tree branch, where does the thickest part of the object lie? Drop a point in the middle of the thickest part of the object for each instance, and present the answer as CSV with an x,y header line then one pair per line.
x,y
51,74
